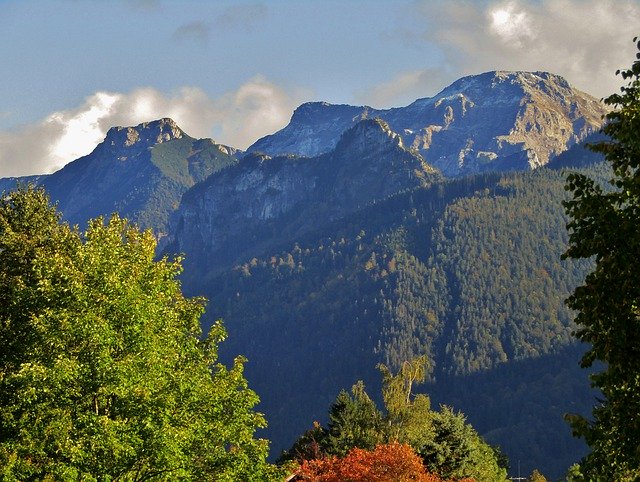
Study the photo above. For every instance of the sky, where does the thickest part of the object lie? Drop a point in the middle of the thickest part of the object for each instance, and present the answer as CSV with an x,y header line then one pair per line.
x,y
235,70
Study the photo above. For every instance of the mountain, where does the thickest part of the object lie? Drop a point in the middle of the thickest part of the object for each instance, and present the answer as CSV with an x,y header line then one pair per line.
x,y
10,183
465,271
492,121
140,172
236,209
355,236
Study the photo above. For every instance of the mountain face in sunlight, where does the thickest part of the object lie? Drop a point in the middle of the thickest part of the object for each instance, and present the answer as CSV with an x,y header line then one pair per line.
x,y
487,122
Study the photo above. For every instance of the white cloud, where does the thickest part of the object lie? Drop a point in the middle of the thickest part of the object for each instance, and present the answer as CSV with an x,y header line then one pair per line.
x,y
256,109
80,129
237,118
586,41
511,25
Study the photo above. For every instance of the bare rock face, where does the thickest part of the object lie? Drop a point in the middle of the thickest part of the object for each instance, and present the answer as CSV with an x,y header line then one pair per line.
x,y
314,129
141,137
242,204
487,122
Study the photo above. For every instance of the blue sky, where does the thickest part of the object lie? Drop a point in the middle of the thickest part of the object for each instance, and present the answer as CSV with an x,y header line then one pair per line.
x,y
235,70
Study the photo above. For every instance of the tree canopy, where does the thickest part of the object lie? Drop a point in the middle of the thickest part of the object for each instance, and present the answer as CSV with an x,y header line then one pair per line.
x,y
446,445
104,374
605,224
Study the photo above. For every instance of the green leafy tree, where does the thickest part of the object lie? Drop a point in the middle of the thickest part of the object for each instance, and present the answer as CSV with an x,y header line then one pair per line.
x,y
408,417
605,224
354,421
447,445
103,372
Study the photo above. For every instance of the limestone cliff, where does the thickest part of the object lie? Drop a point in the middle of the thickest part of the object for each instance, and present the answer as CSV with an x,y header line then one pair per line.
x,y
489,122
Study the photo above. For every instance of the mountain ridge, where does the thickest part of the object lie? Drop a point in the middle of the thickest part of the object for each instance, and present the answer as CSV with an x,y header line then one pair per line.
x,y
139,171
462,129
322,265
368,164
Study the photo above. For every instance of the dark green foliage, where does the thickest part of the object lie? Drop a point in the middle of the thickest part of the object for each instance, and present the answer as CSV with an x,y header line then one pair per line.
x,y
448,445
354,421
309,446
501,255
605,225
415,274
450,450
103,374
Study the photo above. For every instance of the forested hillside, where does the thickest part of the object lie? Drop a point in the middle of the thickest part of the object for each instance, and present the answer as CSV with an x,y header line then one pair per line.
x,y
467,272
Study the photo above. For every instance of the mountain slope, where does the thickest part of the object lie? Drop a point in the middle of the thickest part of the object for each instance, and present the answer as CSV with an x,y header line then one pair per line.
x,y
139,172
263,200
362,252
492,121
467,272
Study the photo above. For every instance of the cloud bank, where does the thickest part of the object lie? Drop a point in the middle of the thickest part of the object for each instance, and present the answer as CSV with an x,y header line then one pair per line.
x,y
403,88
237,118
585,41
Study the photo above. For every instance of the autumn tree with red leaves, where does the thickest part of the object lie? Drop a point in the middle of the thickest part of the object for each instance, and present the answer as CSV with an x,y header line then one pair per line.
x,y
392,462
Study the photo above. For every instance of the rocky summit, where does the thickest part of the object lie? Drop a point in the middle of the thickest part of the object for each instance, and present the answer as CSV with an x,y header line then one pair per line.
x,y
142,136
140,172
494,121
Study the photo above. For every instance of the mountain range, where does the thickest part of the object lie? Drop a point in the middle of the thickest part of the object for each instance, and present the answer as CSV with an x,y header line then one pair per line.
x,y
488,122
355,236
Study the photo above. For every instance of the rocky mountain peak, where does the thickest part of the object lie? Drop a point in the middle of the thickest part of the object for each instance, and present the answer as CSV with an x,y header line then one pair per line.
x,y
307,111
500,88
499,120
143,135
314,129
369,136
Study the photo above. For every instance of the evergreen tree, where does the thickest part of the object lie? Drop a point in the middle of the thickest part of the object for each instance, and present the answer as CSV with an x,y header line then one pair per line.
x,y
354,421
448,446
605,224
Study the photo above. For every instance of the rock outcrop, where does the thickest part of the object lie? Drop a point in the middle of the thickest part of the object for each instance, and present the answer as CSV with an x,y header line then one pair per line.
x,y
140,172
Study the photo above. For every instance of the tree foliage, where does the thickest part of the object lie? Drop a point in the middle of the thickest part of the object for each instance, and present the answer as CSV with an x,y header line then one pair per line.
x,y
446,444
392,462
103,373
605,224
468,273
354,421
536,476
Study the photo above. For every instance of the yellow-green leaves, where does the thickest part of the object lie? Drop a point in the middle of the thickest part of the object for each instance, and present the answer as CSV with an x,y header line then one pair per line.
x,y
103,373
